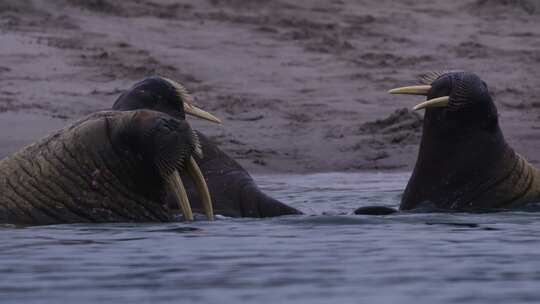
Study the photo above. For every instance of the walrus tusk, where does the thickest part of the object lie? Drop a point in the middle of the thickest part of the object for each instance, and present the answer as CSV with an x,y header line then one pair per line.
x,y
432,103
179,190
412,90
197,112
202,188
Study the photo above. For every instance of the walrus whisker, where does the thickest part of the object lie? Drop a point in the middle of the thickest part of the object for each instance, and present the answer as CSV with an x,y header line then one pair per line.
x,y
181,90
430,77
197,144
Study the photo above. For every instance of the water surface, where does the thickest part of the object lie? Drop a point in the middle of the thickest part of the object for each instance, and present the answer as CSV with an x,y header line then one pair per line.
x,y
327,256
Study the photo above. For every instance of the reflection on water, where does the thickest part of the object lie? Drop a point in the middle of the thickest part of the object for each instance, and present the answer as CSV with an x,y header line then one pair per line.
x,y
332,258
335,193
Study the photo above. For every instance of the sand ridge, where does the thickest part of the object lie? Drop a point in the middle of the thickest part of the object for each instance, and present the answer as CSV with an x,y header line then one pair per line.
x,y
301,85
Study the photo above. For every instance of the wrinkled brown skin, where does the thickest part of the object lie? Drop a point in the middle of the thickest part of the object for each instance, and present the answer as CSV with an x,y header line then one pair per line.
x,y
95,170
464,162
233,191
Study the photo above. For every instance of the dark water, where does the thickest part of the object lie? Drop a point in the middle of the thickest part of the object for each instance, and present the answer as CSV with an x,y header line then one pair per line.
x,y
331,258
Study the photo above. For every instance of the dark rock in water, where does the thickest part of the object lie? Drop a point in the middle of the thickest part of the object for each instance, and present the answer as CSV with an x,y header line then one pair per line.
x,y
375,210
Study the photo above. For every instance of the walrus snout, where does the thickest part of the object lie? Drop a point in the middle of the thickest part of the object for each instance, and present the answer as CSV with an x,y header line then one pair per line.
x,y
174,143
168,143
463,89
165,145
158,140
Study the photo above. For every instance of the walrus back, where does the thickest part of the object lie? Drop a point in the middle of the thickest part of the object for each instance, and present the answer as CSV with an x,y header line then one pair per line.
x,y
73,175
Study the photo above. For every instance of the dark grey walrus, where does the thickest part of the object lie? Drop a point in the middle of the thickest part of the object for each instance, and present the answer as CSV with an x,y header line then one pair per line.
x,y
107,167
464,162
233,191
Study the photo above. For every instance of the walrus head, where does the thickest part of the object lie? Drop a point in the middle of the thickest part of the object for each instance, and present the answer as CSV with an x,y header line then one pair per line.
x,y
462,150
163,95
168,96
458,100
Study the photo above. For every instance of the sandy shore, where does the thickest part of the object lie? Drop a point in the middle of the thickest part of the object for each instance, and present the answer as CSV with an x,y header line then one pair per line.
x,y
300,84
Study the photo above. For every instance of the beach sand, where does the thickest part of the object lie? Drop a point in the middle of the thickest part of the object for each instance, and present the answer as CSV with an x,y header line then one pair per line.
x,y
300,85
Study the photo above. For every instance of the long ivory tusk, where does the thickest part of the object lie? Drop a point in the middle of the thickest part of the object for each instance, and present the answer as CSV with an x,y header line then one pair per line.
x,y
200,113
412,90
202,188
177,186
432,103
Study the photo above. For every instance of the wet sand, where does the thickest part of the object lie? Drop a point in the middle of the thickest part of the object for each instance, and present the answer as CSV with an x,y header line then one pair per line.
x,y
301,85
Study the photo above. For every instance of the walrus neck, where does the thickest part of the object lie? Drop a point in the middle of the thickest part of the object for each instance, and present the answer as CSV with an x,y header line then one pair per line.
x,y
454,170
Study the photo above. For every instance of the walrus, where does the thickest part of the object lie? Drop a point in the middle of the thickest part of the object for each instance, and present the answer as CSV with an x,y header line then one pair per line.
x,y
110,166
234,192
464,162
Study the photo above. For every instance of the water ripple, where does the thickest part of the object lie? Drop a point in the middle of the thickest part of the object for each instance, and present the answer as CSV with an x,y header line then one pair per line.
x,y
328,255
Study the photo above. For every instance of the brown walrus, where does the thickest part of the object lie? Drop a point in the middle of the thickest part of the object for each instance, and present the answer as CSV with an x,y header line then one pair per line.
x,y
110,166
464,162
233,191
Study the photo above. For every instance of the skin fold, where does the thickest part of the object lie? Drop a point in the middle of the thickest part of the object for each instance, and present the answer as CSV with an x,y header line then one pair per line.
x,y
233,191
107,167
464,162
